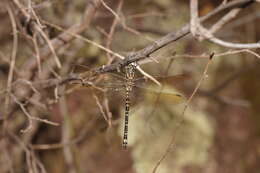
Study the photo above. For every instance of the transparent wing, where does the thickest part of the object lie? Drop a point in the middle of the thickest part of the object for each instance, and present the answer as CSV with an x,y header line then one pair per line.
x,y
144,88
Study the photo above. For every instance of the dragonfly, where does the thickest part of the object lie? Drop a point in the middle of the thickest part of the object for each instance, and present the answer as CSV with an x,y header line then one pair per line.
x,y
129,82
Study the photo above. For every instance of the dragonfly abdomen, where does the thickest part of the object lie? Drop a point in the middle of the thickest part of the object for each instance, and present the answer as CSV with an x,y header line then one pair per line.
x,y
130,72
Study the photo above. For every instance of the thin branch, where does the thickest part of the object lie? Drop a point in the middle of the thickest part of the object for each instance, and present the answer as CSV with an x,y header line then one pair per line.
x,y
57,43
66,80
100,107
111,11
23,10
12,60
230,44
31,160
178,126
29,83
38,27
69,79
82,135
229,52
148,76
31,118
37,51
197,29
105,49
228,17
122,21
49,43
194,17
64,37
112,29
108,112
74,35
169,38
208,34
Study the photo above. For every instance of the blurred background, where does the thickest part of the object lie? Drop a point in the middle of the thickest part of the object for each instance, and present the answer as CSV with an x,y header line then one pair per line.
x,y
66,127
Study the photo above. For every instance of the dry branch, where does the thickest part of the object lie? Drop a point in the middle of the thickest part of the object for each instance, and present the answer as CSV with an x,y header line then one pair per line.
x,y
169,38
64,37
57,43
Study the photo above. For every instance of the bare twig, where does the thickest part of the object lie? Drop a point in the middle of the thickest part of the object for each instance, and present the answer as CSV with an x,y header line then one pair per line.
x,y
100,107
107,50
198,30
108,112
74,35
112,28
82,136
112,11
57,43
23,10
228,17
49,43
224,2
208,34
38,27
194,21
31,118
33,163
122,21
68,79
12,61
230,52
169,38
37,54
64,37
134,31
178,126
29,83
15,45
230,44
148,76
204,75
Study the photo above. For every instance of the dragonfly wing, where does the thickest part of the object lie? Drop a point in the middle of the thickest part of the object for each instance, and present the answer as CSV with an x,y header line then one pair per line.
x,y
165,93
